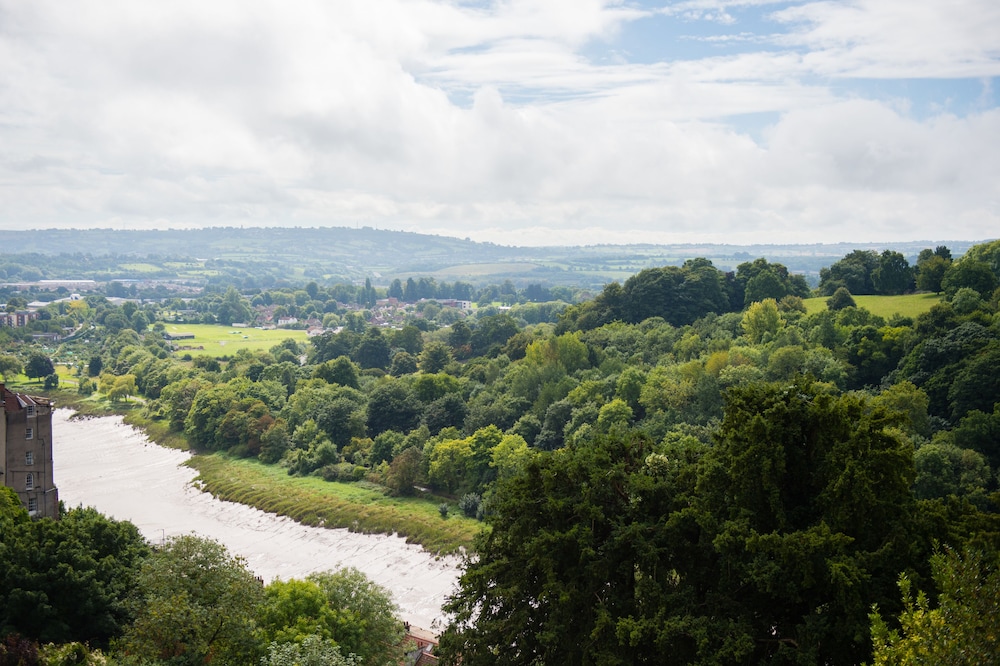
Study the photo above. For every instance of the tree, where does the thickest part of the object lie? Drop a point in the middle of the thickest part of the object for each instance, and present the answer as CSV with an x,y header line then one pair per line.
x,y
967,272
38,365
392,406
66,580
930,272
373,350
893,274
313,650
768,547
10,366
195,604
234,308
434,358
854,272
964,626
364,615
762,320
124,387
841,299
403,363
338,371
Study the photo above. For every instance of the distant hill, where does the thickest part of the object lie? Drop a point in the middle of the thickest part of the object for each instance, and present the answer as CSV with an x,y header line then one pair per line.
x,y
356,254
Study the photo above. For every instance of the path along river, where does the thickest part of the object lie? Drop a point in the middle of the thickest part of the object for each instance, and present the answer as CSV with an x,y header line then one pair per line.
x,y
102,462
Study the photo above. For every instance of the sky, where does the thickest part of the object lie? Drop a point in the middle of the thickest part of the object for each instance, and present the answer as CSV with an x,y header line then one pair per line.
x,y
519,122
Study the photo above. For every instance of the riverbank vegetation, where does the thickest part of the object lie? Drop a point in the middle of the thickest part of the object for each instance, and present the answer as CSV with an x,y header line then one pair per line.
x,y
358,507
87,589
690,463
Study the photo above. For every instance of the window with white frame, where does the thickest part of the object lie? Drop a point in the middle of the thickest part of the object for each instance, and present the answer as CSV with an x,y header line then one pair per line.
x,y
29,433
30,410
29,457
32,505
29,481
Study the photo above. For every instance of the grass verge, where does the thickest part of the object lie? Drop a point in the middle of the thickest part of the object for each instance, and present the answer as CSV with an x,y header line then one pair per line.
x,y
355,506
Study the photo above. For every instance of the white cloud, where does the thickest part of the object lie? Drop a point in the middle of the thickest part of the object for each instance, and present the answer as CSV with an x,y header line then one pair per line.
x,y
484,121
897,38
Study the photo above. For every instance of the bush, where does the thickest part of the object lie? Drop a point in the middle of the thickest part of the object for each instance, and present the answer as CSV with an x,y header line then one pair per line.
x,y
52,382
443,509
841,299
469,504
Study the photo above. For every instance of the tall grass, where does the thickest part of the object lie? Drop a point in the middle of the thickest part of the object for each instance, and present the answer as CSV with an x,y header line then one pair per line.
x,y
358,507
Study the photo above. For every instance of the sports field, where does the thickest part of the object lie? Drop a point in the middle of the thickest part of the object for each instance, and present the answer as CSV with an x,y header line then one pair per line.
x,y
219,341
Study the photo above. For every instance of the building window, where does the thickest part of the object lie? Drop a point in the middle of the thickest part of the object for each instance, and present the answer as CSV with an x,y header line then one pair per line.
x,y
29,458
30,410
29,482
29,433
32,505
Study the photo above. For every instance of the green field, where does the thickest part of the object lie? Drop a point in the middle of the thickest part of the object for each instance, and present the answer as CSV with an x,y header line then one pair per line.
x,y
484,269
310,500
219,341
909,305
141,268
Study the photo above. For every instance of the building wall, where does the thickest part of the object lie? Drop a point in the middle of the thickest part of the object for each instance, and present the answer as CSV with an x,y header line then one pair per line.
x,y
27,452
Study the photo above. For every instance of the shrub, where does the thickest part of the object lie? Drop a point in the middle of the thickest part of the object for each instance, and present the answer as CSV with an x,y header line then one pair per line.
x,y
469,504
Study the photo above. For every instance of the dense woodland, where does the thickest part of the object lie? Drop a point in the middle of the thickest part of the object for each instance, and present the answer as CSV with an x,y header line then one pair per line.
x,y
685,468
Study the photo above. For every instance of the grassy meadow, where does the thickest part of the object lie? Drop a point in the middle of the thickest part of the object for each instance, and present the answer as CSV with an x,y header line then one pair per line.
x,y
908,305
360,507
217,341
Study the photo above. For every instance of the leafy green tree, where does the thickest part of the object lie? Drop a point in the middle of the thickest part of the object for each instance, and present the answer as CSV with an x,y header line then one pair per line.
x,y
967,272
38,365
233,308
853,272
66,580
409,339
944,469
338,371
434,358
403,363
759,279
373,350
762,320
893,274
392,406
365,621
10,366
840,299
930,272
194,604
404,471
124,387
313,650
962,628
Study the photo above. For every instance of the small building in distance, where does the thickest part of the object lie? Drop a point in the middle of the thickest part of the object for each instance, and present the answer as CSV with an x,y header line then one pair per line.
x,y
26,451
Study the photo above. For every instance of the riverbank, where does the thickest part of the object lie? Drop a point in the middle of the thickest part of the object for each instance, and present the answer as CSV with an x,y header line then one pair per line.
x,y
104,463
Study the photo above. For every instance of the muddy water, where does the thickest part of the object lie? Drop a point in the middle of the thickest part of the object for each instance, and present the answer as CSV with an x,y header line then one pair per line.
x,y
102,462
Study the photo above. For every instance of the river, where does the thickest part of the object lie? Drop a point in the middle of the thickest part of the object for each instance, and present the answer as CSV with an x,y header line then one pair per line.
x,y
104,463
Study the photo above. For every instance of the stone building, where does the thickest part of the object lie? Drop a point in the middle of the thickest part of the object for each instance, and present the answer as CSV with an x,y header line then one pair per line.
x,y
26,451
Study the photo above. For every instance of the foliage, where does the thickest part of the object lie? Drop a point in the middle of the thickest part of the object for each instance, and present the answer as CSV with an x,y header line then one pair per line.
x,y
66,580
840,299
194,604
311,651
770,546
962,628
38,365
